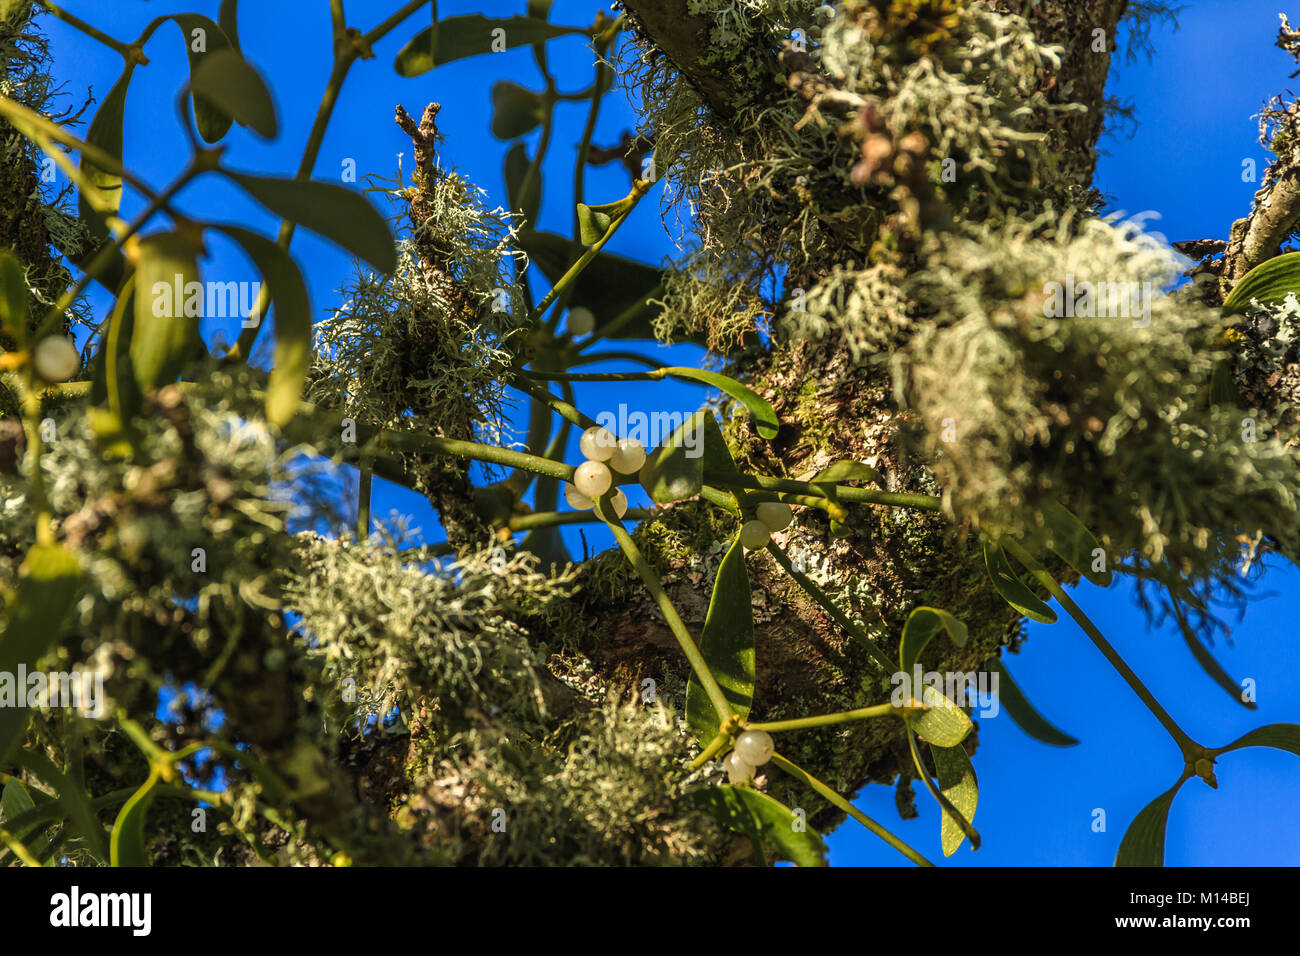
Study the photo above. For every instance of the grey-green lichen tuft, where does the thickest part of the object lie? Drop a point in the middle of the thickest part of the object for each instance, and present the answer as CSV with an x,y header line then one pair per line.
x,y
1109,408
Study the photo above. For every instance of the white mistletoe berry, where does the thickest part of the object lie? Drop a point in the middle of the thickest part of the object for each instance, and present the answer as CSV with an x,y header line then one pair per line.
x,y
598,444
754,535
592,479
755,747
738,769
628,456
576,499
56,359
775,514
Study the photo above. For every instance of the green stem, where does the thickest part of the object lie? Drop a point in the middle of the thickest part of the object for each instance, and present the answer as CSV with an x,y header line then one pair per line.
x,y
35,125
584,144
716,744
17,848
363,506
1192,751
842,492
566,281
153,753
396,20
836,800
721,499
612,357
156,204
562,408
551,519
822,720
539,432
36,477
344,57
93,32
544,144
429,444
674,620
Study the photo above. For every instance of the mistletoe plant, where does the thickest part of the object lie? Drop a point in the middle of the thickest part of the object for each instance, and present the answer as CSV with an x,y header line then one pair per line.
x,y
912,449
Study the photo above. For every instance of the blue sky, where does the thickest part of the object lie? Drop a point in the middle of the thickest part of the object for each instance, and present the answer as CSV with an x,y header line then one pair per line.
x,y
1195,101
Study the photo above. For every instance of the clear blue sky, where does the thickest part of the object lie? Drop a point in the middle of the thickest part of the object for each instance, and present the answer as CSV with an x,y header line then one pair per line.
x,y
1194,102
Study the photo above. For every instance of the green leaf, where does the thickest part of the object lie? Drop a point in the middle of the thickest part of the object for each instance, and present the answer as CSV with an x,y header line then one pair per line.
x,y
943,724
922,624
675,469
1013,590
225,85
114,381
727,645
1144,841
228,20
15,799
517,164
1279,736
957,782
1223,388
455,38
13,297
1018,707
212,120
104,197
1208,662
74,799
950,813
1073,543
763,414
515,110
842,471
163,337
1269,282
717,456
593,224
337,213
763,820
126,845
47,586
292,322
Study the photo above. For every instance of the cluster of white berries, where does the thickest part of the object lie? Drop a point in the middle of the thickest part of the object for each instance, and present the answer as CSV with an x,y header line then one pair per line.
x,y
605,453
753,749
770,516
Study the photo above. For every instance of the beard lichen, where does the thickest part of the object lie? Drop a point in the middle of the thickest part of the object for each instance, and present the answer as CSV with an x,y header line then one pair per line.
x,y
413,632
1028,394
428,347
36,222
897,118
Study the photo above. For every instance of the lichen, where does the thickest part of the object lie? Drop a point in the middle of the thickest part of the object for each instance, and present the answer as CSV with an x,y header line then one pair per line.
x,y
1109,413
